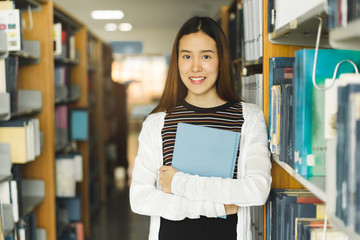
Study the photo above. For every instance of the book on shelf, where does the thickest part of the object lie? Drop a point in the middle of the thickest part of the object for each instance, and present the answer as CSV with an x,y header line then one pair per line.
x,y
24,137
275,119
79,124
12,74
284,206
57,39
357,178
252,18
252,89
257,221
5,161
11,20
9,195
205,151
348,94
61,126
279,68
287,123
341,13
69,170
310,143
2,76
27,228
8,223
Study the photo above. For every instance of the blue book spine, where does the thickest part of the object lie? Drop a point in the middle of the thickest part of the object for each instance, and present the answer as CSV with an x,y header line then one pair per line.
x,y
357,167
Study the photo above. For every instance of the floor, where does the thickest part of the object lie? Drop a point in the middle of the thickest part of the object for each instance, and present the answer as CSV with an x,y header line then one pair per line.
x,y
115,220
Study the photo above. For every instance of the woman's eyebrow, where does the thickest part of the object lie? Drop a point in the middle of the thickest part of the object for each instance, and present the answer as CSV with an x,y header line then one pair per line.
x,y
203,51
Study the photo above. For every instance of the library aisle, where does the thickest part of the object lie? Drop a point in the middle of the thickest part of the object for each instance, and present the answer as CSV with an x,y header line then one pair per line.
x,y
115,220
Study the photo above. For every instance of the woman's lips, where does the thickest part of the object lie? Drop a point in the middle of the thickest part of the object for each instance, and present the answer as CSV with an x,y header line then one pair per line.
x,y
197,80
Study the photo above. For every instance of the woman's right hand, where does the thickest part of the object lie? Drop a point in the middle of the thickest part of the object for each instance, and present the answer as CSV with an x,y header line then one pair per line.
x,y
231,209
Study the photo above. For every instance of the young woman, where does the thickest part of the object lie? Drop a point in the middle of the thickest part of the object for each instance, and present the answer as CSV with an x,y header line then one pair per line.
x,y
199,90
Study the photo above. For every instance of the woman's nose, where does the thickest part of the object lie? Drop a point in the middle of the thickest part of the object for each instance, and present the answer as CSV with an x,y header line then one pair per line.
x,y
196,66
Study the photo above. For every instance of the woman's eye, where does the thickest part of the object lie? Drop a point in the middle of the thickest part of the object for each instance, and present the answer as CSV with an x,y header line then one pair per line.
x,y
186,57
206,57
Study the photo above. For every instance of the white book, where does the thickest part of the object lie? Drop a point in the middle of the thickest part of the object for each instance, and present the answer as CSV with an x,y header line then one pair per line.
x,y
2,76
14,200
11,18
57,28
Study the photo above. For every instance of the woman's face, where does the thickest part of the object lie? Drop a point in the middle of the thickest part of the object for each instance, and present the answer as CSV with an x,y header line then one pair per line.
x,y
198,65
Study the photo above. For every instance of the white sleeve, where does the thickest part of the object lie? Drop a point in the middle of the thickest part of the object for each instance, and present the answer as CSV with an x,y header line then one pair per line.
x,y
251,189
146,199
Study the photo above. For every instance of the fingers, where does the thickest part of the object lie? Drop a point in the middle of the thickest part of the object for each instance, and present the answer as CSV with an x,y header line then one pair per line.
x,y
164,168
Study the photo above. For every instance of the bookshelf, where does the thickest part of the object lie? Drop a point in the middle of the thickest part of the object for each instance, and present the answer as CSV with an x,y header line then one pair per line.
x,y
36,82
283,42
96,90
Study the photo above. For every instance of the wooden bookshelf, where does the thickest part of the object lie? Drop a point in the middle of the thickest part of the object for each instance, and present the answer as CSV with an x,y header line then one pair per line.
x,y
41,77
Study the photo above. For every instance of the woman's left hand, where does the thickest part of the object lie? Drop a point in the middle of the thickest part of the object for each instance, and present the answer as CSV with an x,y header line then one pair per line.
x,y
165,177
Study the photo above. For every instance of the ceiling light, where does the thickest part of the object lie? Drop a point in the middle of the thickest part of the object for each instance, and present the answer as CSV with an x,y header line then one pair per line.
x,y
107,14
110,27
125,27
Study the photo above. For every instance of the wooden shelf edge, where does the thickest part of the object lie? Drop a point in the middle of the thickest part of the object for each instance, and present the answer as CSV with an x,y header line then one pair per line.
x,y
315,184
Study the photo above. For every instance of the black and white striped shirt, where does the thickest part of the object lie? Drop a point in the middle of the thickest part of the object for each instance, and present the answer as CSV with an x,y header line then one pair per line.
x,y
228,116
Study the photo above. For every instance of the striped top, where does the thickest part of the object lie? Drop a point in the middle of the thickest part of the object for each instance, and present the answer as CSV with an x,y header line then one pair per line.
x,y
228,116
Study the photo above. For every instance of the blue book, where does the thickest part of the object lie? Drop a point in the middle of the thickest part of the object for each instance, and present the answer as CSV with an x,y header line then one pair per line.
x,y
79,124
205,151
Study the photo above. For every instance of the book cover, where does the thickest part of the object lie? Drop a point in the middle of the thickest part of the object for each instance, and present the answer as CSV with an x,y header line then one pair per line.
x,y
205,151
16,134
310,143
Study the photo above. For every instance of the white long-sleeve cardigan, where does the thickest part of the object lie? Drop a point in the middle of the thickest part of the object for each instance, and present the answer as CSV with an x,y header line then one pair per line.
x,y
193,196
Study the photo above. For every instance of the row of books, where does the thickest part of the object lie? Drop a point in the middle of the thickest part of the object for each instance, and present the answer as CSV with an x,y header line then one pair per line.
x,y
18,197
64,42
236,33
24,137
252,89
257,222
11,31
71,124
69,225
297,128
69,171
253,36
9,79
295,214
341,12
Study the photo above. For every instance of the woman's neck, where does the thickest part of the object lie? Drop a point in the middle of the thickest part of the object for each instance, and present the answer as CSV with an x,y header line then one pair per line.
x,y
205,102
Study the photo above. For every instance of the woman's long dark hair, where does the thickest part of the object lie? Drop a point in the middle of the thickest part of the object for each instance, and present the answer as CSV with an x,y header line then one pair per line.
x,y
175,90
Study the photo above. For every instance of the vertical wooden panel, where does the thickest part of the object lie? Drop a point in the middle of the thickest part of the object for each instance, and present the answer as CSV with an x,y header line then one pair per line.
x,y
41,77
79,75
